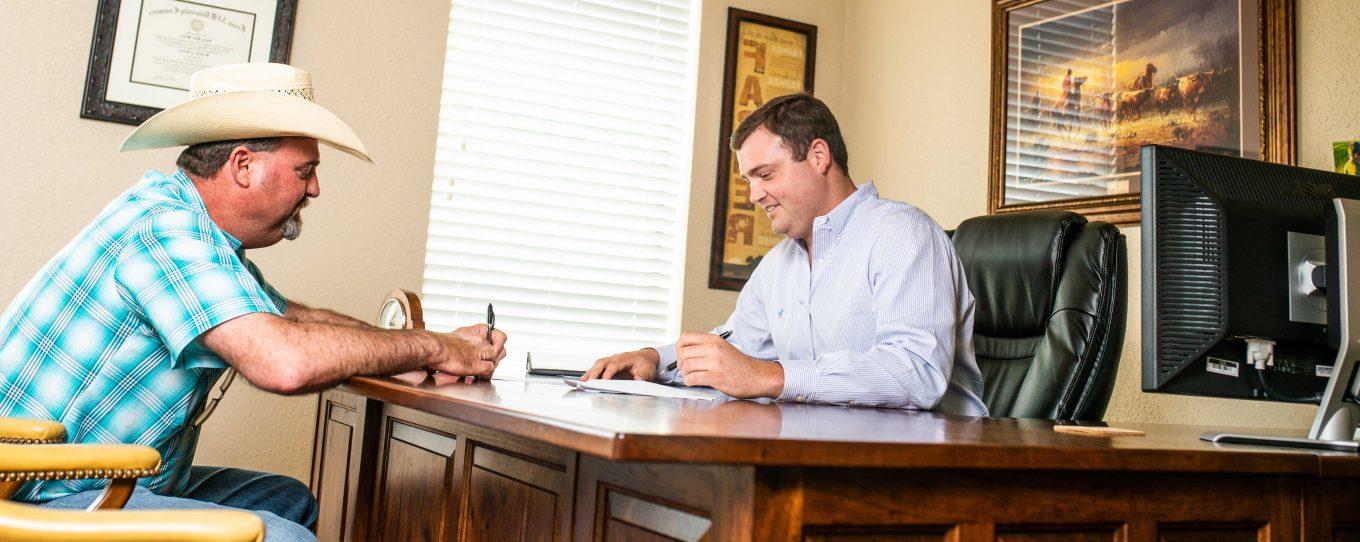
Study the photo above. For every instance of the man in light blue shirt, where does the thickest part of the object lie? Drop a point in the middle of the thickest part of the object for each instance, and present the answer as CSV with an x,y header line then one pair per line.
x,y
864,302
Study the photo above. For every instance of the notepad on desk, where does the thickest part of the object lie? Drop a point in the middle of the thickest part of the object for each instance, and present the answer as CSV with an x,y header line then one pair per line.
x,y
637,387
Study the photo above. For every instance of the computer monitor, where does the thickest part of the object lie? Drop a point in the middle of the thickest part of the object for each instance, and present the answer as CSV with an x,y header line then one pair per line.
x,y
1238,299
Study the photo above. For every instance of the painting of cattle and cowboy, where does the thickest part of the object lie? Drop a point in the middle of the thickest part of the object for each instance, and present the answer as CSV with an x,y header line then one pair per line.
x,y
1091,81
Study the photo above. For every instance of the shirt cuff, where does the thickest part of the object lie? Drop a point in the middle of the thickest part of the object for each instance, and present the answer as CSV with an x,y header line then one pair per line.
x,y
800,380
668,356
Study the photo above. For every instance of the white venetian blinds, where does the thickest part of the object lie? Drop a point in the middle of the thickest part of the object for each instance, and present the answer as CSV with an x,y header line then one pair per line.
x,y
562,171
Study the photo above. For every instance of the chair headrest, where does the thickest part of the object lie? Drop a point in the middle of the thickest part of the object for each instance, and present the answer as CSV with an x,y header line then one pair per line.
x,y
1013,262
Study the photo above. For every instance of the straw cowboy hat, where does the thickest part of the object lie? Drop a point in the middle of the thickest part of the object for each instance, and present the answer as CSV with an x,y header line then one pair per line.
x,y
240,101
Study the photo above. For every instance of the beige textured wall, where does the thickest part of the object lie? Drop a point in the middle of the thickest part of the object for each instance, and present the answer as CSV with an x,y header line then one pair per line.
x,y
917,99
704,308
375,64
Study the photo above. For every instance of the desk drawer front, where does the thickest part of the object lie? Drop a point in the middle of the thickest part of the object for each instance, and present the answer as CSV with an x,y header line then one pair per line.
x,y
512,497
659,502
636,518
413,497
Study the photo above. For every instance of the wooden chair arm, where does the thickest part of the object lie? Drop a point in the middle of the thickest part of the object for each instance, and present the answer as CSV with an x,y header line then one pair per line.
x,y
26,431
28,522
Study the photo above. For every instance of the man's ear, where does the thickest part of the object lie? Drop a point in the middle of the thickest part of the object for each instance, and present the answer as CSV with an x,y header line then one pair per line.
x,y
238,165
819,155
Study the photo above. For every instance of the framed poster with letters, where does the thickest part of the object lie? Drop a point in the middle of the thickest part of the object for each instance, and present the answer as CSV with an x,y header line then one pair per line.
x,y
767,57
144,51
1079,85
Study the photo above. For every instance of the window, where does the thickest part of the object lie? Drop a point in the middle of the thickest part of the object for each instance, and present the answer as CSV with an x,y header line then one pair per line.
x,y
562,171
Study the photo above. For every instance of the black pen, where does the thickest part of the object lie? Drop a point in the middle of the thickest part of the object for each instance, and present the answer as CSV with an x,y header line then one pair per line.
x,y
490,327
724,335
490,322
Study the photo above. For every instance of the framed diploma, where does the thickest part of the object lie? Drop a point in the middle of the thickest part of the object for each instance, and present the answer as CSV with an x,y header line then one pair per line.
x,y
144,51
767,57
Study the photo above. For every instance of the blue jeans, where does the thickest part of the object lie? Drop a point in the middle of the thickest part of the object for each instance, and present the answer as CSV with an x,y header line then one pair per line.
x,y
286,505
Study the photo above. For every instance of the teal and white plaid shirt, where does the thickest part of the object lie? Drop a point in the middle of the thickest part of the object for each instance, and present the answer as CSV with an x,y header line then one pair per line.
x,y
103,338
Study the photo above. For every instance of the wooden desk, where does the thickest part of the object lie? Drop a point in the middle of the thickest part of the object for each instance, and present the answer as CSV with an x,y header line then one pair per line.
x,y
397,459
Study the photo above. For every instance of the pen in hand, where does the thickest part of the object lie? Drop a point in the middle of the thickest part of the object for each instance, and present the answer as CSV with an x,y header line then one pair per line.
x,y
724,335
490,331
490,322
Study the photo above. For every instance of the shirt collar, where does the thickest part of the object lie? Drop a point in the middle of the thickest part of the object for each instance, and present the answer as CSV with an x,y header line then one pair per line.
x,y
183,189
834,221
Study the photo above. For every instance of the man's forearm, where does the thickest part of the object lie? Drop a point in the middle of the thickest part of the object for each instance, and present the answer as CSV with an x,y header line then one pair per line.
x,y
285,356
298,312
889,377
335,351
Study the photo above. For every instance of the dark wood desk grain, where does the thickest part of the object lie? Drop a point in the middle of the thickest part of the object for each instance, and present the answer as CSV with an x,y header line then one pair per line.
x,y
405,458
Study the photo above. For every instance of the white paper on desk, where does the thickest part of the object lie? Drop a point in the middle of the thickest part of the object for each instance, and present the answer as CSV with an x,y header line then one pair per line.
x,y
637,387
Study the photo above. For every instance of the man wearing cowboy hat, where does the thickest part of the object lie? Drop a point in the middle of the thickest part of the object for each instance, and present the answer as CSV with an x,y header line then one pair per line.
x,y
122,334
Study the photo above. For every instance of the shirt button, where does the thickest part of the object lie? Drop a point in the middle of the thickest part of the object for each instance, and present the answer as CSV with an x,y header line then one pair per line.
x,y
799,398
851,402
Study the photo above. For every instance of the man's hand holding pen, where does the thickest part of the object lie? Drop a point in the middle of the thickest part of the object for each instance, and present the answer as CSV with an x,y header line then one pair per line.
x,y
473,351
635,365
706,359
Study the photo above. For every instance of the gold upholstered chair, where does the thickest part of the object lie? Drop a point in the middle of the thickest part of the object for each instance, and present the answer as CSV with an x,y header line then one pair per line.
x,y
32,450
26,431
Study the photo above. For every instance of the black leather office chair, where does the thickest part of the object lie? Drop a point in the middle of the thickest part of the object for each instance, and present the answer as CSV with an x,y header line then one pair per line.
x,y
1052,294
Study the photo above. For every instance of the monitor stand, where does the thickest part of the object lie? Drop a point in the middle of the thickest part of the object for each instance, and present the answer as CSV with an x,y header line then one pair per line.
x,y
1334,428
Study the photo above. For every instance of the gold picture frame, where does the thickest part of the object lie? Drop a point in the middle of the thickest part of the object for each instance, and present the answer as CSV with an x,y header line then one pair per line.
x,y
1074,94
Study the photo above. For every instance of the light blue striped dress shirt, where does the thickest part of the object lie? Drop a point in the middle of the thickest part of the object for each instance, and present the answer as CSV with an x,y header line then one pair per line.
x,y
882,317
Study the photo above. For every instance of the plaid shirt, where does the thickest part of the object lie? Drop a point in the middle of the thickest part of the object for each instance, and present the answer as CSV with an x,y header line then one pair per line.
x,y
103,338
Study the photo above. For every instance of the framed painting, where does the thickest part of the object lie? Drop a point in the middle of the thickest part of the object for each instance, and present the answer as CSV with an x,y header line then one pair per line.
x,y
143,51
1079,85
767,57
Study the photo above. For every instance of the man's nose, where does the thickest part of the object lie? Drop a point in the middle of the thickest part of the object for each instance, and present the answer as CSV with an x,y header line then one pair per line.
x,y
756,193
314,186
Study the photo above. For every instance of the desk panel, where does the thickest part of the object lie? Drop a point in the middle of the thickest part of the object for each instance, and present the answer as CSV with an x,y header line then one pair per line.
x,y
535,460
413,497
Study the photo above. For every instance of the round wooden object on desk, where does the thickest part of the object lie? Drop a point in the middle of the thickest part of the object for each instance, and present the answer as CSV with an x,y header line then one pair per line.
x,y
401,310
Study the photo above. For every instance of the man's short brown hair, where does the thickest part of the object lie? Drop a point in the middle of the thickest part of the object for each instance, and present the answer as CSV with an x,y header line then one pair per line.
x,y
797,119
204,159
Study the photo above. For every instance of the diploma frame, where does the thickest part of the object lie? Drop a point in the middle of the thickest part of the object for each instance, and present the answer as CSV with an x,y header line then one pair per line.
x,y
726,276
96,105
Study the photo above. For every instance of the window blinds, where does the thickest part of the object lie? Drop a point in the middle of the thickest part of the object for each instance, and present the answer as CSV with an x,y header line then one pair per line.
x,y
562,171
